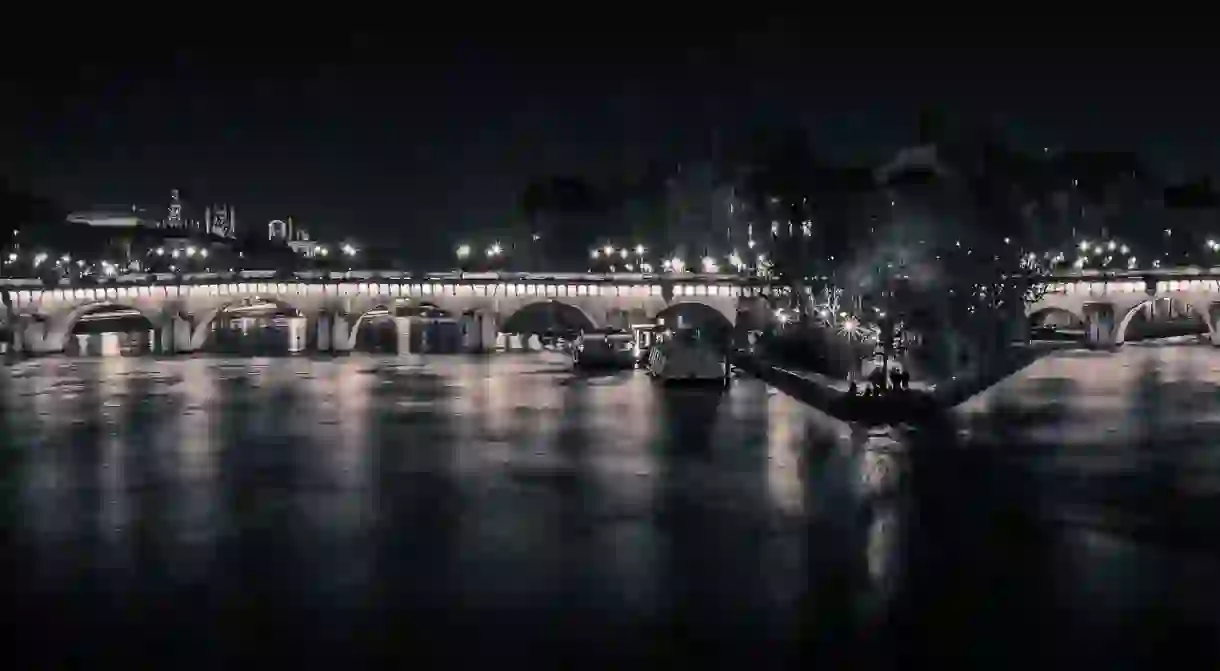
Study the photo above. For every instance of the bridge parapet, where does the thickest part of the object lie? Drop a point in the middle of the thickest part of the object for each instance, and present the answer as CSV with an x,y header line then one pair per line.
x,y
186,311
1107,304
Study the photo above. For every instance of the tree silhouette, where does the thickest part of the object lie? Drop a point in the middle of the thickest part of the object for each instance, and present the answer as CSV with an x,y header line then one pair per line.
x,y
962,252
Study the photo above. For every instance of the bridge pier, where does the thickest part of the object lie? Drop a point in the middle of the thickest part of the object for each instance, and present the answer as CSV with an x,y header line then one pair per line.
x,y
1101,325
182,335
1213,321
298,334
165,339
479,331
322,330
402,326
341,339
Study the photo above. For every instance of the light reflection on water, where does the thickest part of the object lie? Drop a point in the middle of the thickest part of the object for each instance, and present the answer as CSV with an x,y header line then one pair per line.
x,y
404,487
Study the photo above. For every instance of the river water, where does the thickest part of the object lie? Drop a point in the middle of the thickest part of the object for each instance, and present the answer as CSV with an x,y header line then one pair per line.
x,y
208,511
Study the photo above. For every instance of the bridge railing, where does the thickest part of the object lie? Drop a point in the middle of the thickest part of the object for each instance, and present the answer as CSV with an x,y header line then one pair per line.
x,y
137,279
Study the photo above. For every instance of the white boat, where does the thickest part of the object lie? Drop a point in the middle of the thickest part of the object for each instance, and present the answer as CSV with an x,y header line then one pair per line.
x,y
686,355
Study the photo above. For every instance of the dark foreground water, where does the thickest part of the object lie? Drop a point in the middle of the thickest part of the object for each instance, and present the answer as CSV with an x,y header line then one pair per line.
x,y
220,513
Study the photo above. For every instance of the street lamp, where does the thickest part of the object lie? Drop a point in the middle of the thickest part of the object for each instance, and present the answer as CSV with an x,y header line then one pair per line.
x,y
494,250
348,250
677,265
463,252
710,265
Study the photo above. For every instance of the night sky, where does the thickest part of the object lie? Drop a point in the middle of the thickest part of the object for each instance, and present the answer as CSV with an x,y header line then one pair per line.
x,y
417,139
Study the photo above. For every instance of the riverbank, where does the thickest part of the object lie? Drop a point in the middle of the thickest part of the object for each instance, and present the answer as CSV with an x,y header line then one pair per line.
x,y
826,393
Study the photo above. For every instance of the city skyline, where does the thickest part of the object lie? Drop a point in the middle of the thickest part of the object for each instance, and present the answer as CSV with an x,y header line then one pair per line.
x,y
414,146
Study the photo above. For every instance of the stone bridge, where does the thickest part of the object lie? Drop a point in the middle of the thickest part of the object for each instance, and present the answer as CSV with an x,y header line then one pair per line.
x,y
182,315
1107,304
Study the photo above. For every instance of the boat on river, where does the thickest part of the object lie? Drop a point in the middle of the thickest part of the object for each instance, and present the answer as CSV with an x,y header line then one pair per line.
x,y
687,355
603,348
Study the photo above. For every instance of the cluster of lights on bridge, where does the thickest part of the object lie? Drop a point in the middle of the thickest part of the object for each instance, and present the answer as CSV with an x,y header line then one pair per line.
x,y
1101,254
635,260
629,259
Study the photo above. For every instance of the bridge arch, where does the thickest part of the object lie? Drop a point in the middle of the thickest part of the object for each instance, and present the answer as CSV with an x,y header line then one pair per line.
x,y
1039,317
701,314
1198,308
60,326
566,314
390,308
205,320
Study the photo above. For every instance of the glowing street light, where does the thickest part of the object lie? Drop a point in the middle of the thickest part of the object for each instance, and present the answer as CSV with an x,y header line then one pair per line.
x,y
710,265
463,251
595,254
639,250
623,252
12,256
494,250
608,250
348,250
676,264
190,251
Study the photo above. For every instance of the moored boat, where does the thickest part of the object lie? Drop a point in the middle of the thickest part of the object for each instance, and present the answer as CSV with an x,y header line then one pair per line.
x,y
686,355
603,348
